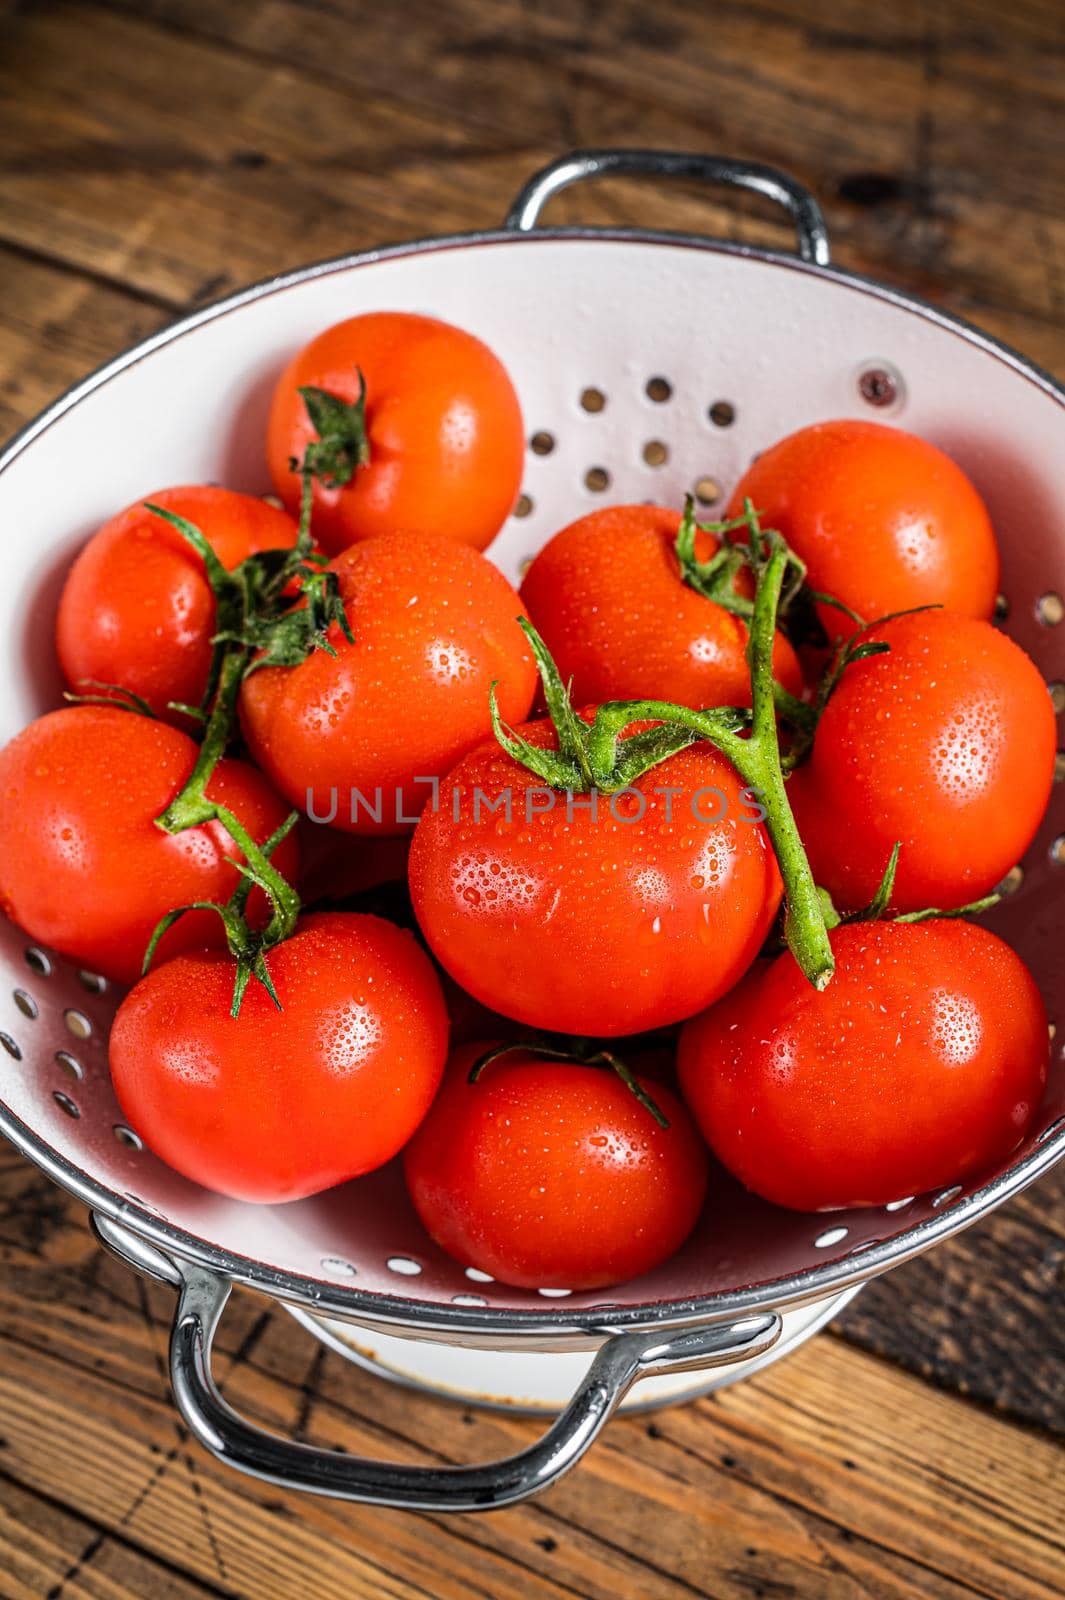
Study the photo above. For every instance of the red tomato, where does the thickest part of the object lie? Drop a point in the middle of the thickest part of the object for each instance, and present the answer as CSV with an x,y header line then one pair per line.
x,y
137,609
553,1175
446,441
945,743
884,520
435,624
920,1065
610,923
607,596
277,1105
84,868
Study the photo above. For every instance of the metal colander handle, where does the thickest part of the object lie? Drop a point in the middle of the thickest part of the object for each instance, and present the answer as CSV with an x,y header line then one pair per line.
x,y
618,1364
291,1465
581,164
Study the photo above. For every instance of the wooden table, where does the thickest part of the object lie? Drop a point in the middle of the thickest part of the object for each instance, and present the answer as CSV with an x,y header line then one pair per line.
x,y
157,153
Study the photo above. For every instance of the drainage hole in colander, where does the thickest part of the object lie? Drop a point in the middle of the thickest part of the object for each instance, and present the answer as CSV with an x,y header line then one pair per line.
x,y
722,413
1050,609
707,491
65,1103
866,1244
655,453
946,1197
70,1065
1011,882
597,479
337,1267
1052,1029
830,1237
475,1275
1059,767
77,1023
10,1046
1057,694
1056,1127
523,505
468,1300
93,982
38,962
404,1266
1002,608
554,1294
542,443
26,1004
127,1137
659,390
1057,851
897,1205
592,400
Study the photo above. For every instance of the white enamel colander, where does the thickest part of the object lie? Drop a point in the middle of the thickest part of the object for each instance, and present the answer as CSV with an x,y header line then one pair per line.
x,y
648,365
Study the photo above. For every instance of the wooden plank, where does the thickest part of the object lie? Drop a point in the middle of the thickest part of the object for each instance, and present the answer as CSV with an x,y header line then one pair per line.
x,y
49,1553
432,127
55,326
984,1315
833,1475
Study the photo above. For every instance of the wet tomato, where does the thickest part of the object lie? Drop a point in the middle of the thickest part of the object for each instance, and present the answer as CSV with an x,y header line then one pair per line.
x,y
137,610
278,1104
83,866
550,1174
945,744
608,596
358,738
920,1065
594,914
884,520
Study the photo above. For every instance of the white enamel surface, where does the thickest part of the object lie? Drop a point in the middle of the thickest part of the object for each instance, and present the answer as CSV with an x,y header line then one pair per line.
x,y
530,1380
783,346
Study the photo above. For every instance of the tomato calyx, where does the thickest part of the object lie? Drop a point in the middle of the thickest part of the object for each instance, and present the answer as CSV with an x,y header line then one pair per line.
x,y
582,762
342,445
258,624
714,579
578,1052
247,947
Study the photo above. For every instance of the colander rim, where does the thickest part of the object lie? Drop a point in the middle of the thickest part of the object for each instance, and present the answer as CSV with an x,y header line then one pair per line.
x,y
351,1302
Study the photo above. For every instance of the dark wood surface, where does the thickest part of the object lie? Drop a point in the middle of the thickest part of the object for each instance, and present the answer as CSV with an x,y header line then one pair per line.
x,y
157,153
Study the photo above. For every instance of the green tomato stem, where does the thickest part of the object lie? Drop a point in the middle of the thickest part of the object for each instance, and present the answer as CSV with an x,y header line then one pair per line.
x,y
757,760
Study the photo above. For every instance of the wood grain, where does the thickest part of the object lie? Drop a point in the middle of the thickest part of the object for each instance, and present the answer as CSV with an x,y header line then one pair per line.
x,y
155,154
831,1475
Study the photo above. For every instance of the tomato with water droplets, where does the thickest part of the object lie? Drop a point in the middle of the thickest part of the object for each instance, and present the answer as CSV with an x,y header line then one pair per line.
x,y
591,913
275,1105
945,743
137,610
921,1065
884,520
550,1174
84,866
358,737
444,440
609,599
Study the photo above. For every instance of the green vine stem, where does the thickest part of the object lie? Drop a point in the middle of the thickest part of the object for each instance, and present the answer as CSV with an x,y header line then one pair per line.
x,y
756,758
247,948
580,1052
596,755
